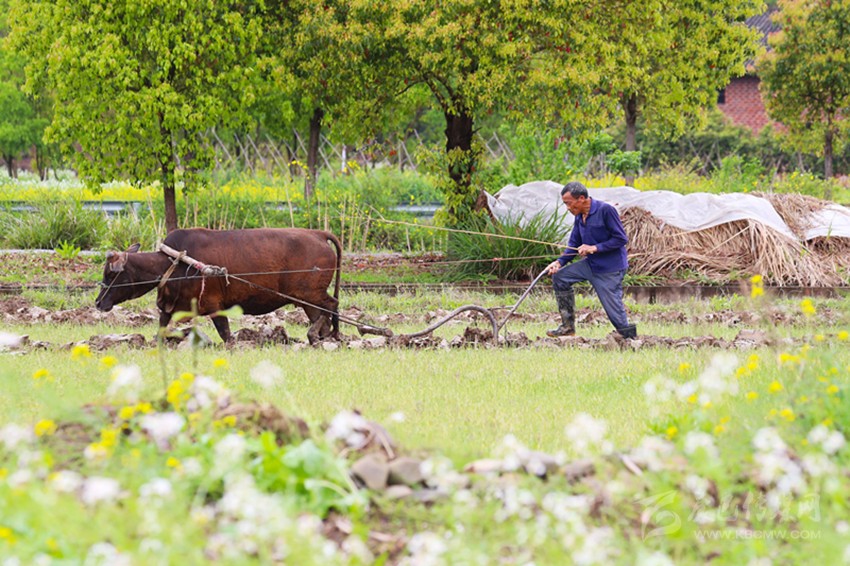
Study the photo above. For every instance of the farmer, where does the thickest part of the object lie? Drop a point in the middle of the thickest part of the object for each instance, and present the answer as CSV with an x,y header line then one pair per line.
x,y
598,237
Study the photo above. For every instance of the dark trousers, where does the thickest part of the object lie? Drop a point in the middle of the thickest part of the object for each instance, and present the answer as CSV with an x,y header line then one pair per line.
x,y
608,286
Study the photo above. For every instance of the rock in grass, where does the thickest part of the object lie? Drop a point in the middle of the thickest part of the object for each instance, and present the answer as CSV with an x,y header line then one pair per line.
x,y
372,471
405,471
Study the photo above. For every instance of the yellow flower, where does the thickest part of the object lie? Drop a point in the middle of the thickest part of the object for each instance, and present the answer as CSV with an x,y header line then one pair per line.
x,y
173,462
80,351
684,367
844,335
742,372
220,363
772,413
756,292
144,408
785,358
45,428
819,337
832,389
775,387
807,307
826,422
787,414
108,361
692,399
756,279
127,413
804,399
672,431
41,374
753,362
719,429
7,535
108,437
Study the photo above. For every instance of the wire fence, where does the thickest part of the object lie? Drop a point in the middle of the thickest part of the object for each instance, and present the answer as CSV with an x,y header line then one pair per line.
x,y
264,154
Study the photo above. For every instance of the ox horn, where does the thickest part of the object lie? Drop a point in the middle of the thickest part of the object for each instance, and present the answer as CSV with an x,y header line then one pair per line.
x,y
120,258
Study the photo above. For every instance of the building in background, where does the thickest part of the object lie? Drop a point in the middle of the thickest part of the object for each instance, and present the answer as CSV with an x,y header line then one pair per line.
x,y
741,100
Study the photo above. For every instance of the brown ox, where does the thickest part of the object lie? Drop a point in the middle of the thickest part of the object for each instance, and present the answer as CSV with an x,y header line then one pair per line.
x,y
267,268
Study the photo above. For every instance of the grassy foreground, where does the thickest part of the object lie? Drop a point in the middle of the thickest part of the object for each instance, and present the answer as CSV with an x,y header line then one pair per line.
x,y
731,457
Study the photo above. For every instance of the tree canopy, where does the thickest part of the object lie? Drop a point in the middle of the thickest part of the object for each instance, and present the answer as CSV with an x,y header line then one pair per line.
x,y
137,83
806,76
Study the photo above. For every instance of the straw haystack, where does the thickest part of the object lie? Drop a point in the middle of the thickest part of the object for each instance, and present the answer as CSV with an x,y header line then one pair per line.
x,y
788,239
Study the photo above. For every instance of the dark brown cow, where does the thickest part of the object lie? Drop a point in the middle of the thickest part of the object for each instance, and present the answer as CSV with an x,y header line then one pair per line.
x,y
294,262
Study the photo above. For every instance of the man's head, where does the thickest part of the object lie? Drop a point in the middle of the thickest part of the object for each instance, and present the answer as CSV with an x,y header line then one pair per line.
x,y
574,195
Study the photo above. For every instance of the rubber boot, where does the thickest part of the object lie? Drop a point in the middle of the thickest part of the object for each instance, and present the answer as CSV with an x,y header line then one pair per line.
x,y
629,332
567,308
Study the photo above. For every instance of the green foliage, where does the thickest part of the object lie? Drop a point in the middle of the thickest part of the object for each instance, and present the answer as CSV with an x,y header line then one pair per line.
x,y
311,475
624,163
737,174
806,75
66,250
508,250
127,228
135,101
53,223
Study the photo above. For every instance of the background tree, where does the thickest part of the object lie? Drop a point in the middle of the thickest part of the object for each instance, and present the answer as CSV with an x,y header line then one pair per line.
x,y
137,83
806,76
665,60
475,57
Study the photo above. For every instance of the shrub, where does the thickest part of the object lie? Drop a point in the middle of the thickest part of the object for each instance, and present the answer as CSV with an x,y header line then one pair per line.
x,y
509,250
126,229
55,222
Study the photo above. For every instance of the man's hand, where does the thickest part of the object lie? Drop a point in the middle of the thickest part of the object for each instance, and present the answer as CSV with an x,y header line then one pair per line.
x,y
553,267
586,250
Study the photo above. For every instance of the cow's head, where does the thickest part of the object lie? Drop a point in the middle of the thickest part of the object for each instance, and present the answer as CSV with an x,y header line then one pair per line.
x,y
118,278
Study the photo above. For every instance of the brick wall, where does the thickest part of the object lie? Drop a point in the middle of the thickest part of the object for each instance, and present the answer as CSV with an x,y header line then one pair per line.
x,y
743,104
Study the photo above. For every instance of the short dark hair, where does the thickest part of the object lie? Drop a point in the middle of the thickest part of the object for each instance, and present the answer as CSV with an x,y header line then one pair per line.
x,y
575,189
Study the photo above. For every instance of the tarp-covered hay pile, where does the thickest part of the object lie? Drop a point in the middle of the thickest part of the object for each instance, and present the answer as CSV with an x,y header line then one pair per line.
x,y
791,240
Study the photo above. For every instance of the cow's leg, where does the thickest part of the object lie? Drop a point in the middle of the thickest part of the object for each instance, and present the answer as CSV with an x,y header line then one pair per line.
x,y
164,319
320,325
222,325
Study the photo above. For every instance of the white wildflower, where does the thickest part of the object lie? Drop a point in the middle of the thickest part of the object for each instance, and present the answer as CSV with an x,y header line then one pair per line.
x,y
655,559
19,478
696,441
349,427
818,465
652,453
207,392
586,433
355,547
425,549
156,488
104,554
99,489
397,417
833,443
12,435
266,374
768,440
162,426
126,384
66,481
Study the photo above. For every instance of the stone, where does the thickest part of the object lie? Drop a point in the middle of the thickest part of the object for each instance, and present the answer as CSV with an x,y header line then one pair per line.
x,y
372,471
405,471
398,492
487,466
574,471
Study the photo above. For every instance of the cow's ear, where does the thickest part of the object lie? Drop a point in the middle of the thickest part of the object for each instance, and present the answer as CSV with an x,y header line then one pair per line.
x,y
116,261
134,248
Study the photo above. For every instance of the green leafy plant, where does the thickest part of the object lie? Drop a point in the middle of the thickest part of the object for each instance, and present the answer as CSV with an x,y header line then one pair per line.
x,y
55,222
66,250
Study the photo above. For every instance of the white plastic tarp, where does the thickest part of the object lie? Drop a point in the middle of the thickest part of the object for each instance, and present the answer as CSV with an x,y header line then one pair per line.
x,y
692,212
832,221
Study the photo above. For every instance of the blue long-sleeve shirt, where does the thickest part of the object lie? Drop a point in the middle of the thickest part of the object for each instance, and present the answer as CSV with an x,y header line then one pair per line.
x,y
603,229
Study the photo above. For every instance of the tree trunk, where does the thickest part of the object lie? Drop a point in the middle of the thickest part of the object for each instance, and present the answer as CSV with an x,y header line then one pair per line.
x,y
10,165
313,151
168,197
461,164
631,107
827,161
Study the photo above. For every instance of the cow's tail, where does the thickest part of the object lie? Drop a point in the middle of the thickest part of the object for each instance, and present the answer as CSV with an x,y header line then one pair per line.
x,y
335,315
